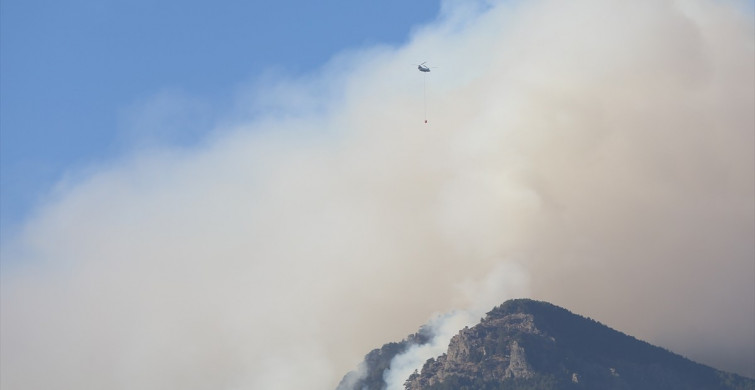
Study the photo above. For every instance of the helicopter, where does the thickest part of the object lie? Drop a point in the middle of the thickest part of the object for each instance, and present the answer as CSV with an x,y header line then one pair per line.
x,y
423,68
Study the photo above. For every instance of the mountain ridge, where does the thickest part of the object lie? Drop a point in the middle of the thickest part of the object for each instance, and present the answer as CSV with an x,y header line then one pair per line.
x,y
528,344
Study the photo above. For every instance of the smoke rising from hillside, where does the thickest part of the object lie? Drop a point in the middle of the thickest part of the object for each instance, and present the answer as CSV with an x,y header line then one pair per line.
x,y
605,148
505,281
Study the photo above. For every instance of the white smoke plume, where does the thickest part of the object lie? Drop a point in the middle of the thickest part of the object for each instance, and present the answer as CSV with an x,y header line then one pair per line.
x,y
606,146
443,327
506,281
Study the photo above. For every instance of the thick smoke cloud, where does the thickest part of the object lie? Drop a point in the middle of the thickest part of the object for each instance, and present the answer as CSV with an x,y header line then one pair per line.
x,y
605,148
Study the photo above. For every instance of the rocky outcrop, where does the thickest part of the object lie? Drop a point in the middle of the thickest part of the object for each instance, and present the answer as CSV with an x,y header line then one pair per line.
x,y
525,344
518,366
490,351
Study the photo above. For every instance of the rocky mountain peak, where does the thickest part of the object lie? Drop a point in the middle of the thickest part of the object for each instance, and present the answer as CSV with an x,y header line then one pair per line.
x,y
526,344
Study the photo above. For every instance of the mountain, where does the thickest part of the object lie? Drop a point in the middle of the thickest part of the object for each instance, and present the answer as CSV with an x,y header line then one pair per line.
x,y
527,344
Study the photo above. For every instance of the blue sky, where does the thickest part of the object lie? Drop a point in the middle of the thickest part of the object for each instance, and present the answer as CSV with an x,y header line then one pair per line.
x,y
72,70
